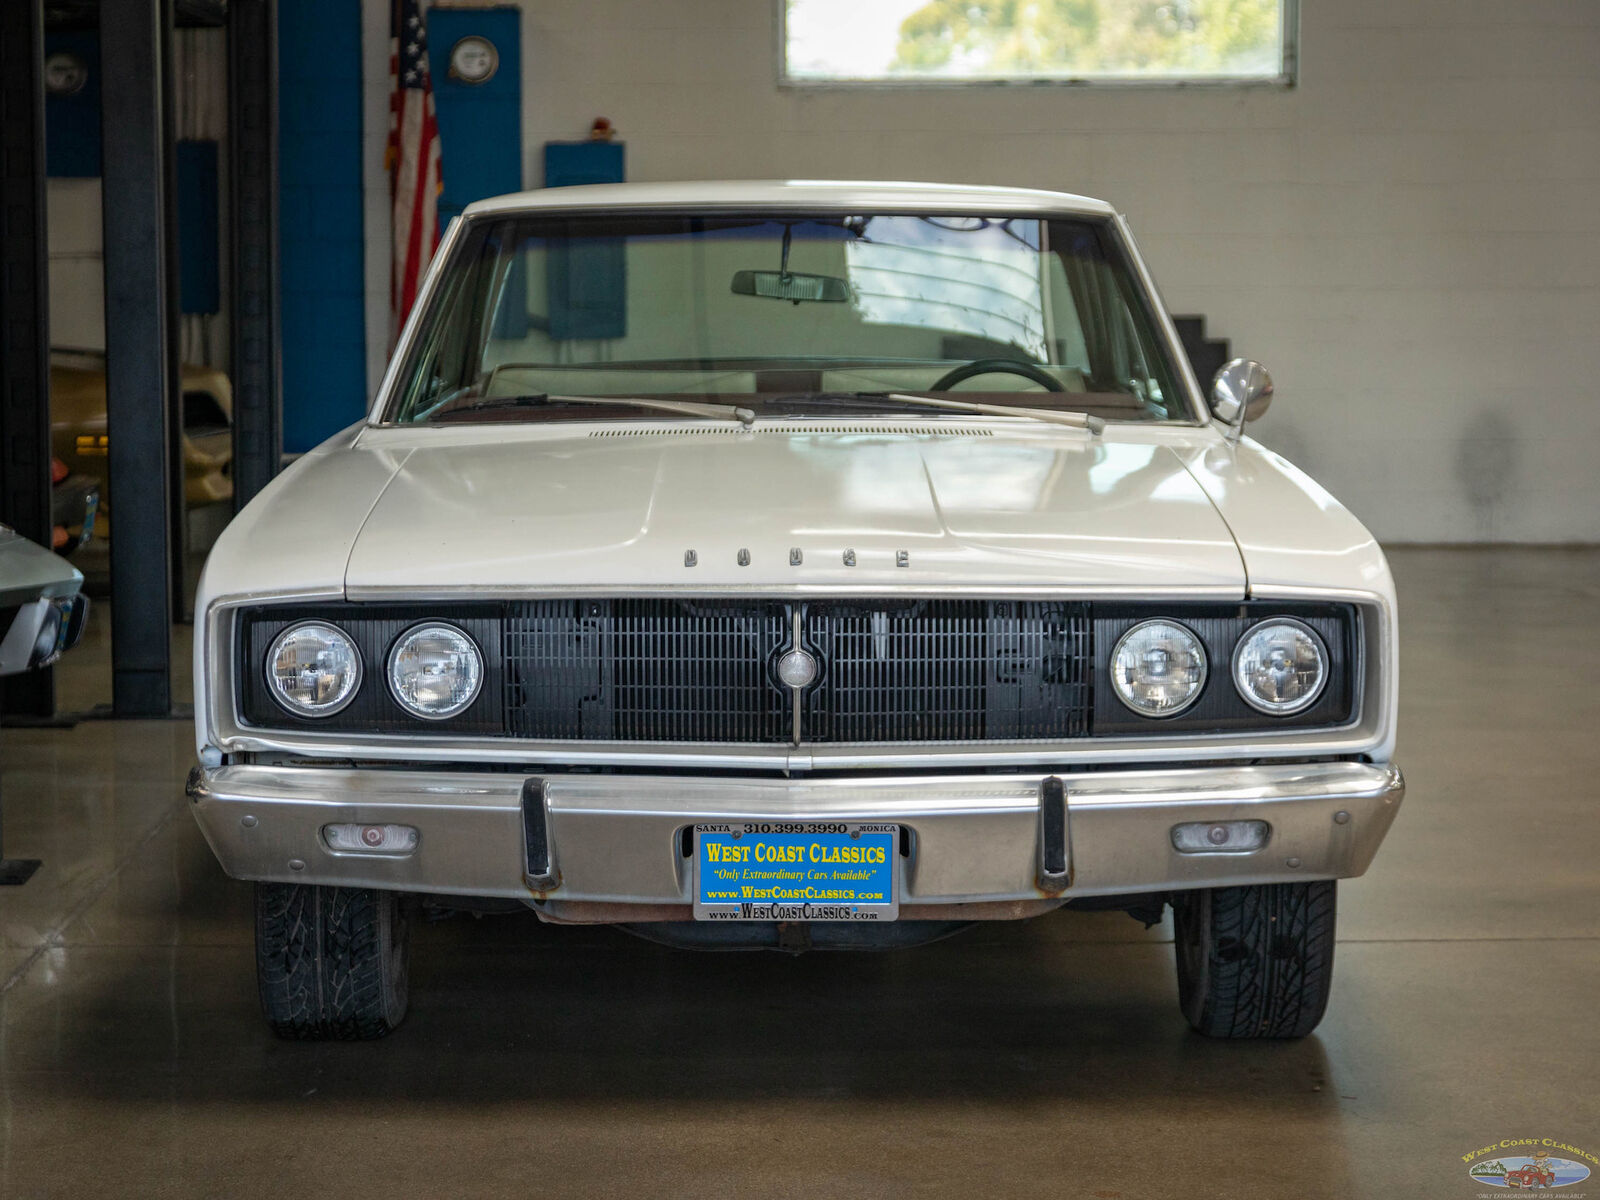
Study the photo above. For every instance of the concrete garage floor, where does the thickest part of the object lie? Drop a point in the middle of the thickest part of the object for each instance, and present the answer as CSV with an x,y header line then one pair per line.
x,y
1045,1058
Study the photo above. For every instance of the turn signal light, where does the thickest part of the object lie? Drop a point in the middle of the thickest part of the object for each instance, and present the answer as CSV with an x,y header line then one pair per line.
x,y
371,839
1220,837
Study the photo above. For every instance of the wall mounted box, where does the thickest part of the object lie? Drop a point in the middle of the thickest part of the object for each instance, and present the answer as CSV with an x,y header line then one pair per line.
x,y
588,281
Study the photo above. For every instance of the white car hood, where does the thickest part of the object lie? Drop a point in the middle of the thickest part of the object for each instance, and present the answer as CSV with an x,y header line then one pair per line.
x,y
614,509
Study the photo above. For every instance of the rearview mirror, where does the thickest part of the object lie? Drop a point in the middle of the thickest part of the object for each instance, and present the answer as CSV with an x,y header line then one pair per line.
x,y
790,285
1241,391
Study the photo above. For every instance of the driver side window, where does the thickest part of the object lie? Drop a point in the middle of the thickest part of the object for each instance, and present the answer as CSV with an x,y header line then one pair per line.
x,y
1099,329
1068,348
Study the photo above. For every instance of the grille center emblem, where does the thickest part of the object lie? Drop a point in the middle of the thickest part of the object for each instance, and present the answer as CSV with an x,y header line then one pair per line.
x,y
797,669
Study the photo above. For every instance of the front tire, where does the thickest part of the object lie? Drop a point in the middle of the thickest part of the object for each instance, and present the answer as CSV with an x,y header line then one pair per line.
x,y
1255,962
331,963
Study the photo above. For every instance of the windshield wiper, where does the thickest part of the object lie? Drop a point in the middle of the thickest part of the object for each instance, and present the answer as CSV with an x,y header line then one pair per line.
x,y
745,416
723,411
1075,420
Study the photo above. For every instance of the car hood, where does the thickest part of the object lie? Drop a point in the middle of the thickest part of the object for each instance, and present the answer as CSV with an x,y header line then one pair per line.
x,y
614,509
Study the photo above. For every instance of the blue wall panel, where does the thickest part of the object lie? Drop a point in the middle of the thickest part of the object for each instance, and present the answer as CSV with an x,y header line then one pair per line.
x,y
321,264
569,164
480,127
587,285
480,124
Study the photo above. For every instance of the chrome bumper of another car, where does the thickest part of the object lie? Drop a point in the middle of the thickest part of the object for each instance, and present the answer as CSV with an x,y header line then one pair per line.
x,y
612,847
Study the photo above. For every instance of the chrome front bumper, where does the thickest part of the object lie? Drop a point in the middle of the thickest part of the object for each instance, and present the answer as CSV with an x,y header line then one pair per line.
x,y
616,845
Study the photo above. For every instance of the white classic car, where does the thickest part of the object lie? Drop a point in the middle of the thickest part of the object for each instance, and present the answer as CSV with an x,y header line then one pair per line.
x,y
42,612
796,565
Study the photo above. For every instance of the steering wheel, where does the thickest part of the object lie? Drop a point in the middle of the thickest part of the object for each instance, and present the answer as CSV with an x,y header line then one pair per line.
x,y
993,366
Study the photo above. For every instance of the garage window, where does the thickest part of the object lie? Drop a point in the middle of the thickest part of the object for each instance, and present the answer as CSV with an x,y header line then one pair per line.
x,y
931,42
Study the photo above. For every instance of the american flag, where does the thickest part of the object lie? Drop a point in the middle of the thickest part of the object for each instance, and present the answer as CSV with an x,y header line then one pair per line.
x,y
415,180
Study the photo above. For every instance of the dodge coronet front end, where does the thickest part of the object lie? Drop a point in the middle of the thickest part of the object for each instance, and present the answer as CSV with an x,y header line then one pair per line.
x,y
796,565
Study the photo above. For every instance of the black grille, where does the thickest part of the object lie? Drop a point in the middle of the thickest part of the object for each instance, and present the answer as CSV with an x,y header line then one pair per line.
x,y
943,670
644,670
702,671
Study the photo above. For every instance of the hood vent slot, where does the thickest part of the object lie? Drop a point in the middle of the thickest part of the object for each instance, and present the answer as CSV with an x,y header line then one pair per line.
x,y
935,431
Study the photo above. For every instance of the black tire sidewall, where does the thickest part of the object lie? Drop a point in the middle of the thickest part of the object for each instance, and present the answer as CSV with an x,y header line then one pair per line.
x,y
395,951
1192,942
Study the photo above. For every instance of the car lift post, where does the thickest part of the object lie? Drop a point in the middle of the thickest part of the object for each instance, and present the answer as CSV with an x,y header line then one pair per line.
x,y
253,195
24,313
24,340
141,372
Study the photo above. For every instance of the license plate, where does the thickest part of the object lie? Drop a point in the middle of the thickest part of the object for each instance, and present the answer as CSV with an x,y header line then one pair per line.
x,y
796,871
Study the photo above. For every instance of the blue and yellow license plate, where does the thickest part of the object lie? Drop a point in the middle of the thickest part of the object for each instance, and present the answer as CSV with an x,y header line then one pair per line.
x,y
796,871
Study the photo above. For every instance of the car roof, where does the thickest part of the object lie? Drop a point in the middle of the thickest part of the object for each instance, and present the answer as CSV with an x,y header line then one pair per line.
x,y
797,195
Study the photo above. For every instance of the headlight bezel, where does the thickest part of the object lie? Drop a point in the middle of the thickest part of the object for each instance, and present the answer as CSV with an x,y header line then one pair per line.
x,y
374,628
459,707
1324,661
1220,711
270,679
1194,696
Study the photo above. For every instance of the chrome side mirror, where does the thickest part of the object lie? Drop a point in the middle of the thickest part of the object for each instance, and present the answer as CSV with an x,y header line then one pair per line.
x,y
1242,391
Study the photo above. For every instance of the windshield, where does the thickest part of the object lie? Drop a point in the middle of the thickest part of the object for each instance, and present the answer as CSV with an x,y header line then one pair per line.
x,y
785,316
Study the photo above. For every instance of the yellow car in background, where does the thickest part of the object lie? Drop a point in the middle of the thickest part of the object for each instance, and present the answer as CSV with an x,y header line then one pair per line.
x,y
78,426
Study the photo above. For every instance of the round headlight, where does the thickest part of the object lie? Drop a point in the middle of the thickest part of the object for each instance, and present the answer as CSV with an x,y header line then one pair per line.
x,y
435,671
313,669
1158,668
1280,667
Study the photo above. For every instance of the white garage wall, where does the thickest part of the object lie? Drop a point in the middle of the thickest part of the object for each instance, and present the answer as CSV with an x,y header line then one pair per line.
x,y
74,218
1410,239
77,269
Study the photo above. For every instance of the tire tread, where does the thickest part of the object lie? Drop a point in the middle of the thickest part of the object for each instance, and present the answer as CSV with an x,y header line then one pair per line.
x,y
330,961
1268,958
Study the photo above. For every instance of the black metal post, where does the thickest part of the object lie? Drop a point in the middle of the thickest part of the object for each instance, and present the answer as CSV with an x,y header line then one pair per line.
x,y
253,189
24,311
177,510
24,327
140,383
